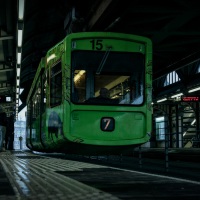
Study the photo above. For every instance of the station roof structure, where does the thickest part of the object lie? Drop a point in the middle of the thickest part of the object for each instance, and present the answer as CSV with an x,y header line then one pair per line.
x,y
172,25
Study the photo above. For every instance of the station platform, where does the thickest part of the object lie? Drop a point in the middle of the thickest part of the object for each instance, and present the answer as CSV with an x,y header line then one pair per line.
x,y
27,175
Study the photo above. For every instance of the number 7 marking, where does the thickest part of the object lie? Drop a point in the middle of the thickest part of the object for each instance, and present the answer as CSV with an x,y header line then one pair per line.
x,y
107,121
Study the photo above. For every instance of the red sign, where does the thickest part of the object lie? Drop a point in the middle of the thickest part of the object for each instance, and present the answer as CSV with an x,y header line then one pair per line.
x,y
190,99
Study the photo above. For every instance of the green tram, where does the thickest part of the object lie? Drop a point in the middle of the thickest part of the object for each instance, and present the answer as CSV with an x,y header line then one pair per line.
x,y
65,112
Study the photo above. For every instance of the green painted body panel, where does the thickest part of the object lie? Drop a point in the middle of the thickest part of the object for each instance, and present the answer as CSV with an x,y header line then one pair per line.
x,y
86,125
35,135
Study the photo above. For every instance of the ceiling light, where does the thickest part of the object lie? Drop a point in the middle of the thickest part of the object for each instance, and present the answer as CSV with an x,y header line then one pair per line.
x,y
8,99
19,55
19,40
161,100
193,122
21,10
193,90
17,90
17,82
176,95
18,71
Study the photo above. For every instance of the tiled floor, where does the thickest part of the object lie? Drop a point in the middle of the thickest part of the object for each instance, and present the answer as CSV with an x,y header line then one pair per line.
x,y
33,176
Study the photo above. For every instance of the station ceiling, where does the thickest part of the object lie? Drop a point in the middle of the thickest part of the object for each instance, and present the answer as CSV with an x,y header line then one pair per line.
x,y
172,25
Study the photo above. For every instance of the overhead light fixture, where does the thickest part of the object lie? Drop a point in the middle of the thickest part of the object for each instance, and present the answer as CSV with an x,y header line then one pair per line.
x,y
161,100
17,89
176,95
21,10
17,82
18,71
193,90
19,40
19,55
193,122
8,99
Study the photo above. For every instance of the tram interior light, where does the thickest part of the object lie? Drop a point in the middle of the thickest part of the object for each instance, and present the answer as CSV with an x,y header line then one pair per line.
x,y
78,76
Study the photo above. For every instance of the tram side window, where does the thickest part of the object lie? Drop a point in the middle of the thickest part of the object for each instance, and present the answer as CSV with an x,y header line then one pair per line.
x,y
44,86
38,99
36,102
56,85
34,110
28,114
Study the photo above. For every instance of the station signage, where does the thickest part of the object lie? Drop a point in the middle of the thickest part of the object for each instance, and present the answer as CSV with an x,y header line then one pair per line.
x,y
190,99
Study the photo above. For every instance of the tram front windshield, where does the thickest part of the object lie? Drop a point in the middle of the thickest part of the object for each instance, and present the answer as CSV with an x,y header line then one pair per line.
x,y
121,73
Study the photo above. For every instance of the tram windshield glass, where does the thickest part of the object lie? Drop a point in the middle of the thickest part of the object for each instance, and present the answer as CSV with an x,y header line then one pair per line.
x,y
121,73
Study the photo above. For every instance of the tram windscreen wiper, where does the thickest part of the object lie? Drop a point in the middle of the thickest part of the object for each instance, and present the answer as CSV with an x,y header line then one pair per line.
x,y
103,61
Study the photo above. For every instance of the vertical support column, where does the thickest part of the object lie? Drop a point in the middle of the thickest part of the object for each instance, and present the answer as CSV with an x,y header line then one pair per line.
x,y
170,126
177,128
167,152
167,136
181,131
167,139
197,120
